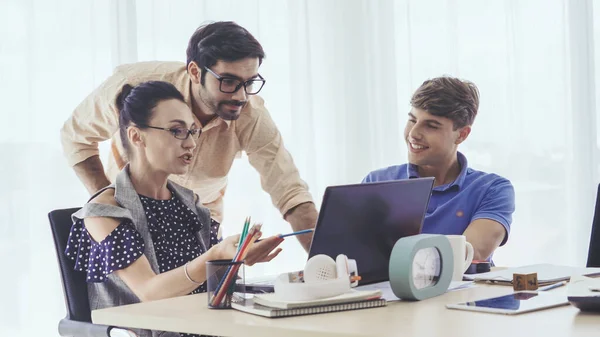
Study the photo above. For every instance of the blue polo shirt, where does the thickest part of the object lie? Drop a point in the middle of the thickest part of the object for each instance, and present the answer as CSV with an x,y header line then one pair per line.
x,y
452,207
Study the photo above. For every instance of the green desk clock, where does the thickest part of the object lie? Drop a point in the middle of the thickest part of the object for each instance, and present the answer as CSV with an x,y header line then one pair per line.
x,y
421,266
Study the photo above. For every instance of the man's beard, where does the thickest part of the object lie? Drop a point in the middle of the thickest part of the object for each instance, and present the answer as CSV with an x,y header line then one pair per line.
x,y
217,107
227,114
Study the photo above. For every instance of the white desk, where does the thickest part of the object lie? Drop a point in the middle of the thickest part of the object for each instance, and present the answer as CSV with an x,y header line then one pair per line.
x,y
426,318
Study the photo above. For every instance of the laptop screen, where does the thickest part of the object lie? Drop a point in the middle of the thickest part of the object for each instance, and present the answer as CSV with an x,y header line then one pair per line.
x,y
364,221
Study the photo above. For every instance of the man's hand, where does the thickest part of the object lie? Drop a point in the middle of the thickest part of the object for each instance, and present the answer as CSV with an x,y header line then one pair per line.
x,y
91,173
303,216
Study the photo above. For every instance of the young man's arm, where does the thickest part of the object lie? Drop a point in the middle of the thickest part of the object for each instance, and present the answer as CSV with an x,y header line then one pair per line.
x,y
490,225
95,120
279,176
485,235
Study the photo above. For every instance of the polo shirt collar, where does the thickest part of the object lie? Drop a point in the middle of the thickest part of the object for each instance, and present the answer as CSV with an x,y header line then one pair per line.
x,y
412,172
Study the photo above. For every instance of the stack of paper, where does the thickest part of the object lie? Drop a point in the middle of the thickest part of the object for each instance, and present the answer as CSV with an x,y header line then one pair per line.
x,y
546,274
388,294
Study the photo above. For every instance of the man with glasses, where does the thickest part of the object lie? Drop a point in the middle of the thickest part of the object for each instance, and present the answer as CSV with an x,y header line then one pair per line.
x,y
219,82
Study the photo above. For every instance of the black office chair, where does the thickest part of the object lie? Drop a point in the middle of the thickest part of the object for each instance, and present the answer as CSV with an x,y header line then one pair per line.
x,y
594,250
78,322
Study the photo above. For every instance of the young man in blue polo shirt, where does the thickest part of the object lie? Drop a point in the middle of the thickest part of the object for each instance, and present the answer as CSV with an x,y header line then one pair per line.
x,y
464,201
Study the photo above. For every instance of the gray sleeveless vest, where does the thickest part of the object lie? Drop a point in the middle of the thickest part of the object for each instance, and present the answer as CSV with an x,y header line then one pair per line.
x,y
114,292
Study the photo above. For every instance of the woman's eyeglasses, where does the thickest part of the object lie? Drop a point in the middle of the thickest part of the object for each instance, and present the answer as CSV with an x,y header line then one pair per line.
x,y
179,133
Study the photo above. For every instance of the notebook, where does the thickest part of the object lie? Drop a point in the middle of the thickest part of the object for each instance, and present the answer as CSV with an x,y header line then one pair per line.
x,y
248,305
546,274
271,299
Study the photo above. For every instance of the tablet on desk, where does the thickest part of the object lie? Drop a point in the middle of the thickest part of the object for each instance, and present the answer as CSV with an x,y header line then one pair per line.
x,y
512,304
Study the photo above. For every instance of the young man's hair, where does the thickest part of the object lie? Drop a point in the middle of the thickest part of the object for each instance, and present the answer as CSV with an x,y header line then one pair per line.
x,y
448,97
223,40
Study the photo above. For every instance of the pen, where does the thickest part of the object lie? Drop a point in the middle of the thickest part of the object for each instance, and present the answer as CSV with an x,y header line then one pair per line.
x,y
552,286
304,231
297,233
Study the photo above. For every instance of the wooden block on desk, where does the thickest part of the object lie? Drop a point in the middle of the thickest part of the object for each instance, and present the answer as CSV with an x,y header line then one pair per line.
x,y
525,282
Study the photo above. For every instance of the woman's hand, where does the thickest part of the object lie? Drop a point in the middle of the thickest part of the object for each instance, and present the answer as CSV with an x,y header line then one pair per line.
x,y
263,251
227,248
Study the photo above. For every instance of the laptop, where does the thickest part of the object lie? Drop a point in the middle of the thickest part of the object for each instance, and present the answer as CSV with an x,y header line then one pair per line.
x,y
364,221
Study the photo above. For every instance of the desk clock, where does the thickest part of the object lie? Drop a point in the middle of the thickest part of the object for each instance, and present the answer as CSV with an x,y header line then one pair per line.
x,y
421,266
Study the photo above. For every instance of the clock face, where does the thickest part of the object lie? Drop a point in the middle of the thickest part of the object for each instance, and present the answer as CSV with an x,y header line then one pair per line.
x,y
426,267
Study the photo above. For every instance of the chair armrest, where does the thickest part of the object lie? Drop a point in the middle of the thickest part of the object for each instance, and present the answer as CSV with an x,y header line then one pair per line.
x,y
67,327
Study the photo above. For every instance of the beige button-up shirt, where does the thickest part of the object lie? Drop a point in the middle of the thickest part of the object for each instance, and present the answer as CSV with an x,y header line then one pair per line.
x,y
96,119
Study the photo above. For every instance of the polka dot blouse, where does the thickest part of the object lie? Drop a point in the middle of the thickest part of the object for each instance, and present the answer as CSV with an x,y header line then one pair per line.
x,y
173,227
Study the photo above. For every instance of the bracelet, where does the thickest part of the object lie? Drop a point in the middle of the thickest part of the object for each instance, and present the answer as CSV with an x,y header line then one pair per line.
x,y
188,275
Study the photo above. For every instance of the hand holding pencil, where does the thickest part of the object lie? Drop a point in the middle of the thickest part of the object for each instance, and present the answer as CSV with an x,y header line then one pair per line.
x,y
263,251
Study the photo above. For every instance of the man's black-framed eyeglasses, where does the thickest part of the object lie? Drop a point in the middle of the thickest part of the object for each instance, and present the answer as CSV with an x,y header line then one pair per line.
x,y
177,132
230,85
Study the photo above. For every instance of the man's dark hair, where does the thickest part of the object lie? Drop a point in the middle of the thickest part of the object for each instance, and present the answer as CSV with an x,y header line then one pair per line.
x,y
223,40
448,97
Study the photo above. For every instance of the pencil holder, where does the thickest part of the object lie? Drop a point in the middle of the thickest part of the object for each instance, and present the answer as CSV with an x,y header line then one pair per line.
x,y
224,279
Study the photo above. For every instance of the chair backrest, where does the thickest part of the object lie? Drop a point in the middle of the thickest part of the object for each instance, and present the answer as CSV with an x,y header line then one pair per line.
x,y
594,250
74,284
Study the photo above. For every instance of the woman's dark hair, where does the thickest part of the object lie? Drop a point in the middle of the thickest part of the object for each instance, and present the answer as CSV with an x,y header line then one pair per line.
x,y
223,40
135,104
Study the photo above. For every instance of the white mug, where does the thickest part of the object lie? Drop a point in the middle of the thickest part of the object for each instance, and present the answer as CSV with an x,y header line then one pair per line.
x,y
460,246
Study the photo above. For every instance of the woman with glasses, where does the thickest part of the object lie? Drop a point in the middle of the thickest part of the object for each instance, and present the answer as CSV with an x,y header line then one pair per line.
x,y
144,237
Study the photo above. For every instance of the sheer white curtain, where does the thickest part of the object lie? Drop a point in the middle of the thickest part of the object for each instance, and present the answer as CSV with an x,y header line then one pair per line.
x,y
340,75
52,54
339,78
